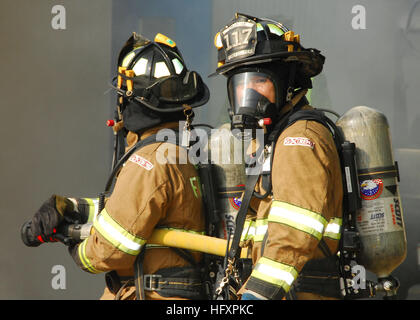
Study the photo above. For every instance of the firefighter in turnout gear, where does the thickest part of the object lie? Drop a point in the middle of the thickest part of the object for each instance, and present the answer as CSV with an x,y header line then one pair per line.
x,y
294,218
153,189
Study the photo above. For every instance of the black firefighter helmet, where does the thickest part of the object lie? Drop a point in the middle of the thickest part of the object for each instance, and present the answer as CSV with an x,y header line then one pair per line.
x,y
258,50
154,84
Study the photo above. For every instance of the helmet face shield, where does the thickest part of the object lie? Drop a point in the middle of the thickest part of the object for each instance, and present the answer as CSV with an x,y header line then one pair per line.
x,y
251,92
176,89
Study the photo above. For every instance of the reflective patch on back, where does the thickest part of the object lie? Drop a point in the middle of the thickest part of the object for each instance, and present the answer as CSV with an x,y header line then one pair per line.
x,y
298,141
142,162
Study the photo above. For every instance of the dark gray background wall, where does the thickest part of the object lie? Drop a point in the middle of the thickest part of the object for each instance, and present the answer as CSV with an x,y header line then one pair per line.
x,y
55,102
53,136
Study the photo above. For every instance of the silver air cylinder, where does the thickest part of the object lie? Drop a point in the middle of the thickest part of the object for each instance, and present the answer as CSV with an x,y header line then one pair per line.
x,y
229,176
380,220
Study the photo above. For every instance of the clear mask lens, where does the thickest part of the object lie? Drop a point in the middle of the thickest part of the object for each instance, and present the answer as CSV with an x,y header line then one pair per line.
x,y
248,90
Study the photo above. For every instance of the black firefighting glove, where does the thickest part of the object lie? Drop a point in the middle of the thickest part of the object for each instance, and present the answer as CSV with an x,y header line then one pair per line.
x,y
55,211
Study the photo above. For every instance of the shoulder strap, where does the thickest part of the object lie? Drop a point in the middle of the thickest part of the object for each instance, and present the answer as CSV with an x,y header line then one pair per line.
x,y
312,115
319,116
232,253
240,218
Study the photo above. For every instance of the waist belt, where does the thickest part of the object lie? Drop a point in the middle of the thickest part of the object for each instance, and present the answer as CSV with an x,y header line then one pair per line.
x,y
183,282
155,282
180,282
320,277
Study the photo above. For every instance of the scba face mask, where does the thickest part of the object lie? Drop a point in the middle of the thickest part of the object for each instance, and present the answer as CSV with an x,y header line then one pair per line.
x,y
252,97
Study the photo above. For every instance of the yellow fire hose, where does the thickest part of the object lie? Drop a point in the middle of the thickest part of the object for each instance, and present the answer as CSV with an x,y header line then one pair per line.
x,y
194,242
189,241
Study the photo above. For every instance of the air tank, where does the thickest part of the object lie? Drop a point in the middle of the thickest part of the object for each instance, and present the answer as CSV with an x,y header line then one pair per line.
x,y
380,219
228,167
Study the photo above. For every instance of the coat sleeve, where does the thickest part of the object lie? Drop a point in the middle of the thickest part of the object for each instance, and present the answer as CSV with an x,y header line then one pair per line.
x,y
86,207
137,203
300,210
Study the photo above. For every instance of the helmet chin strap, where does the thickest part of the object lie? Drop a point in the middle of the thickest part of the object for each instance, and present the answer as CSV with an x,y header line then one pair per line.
x,y
293,101
292,98
291,81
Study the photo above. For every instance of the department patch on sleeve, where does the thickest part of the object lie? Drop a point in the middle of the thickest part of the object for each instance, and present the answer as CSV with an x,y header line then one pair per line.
x,y
298,141
142,162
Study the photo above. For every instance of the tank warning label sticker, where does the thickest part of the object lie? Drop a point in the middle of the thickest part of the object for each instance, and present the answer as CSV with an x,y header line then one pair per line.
x,y
379,216
371,189
298,141
236,201
142,162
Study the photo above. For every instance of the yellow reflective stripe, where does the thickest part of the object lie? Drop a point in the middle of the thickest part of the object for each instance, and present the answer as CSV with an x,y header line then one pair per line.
x,y
304,220
84,259
276,273
254,230
261,229
117,235
249,230
93,207
333,229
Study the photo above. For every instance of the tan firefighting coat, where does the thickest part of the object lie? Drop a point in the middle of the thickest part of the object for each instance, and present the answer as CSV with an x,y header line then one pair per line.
x,y
148,194
305,206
